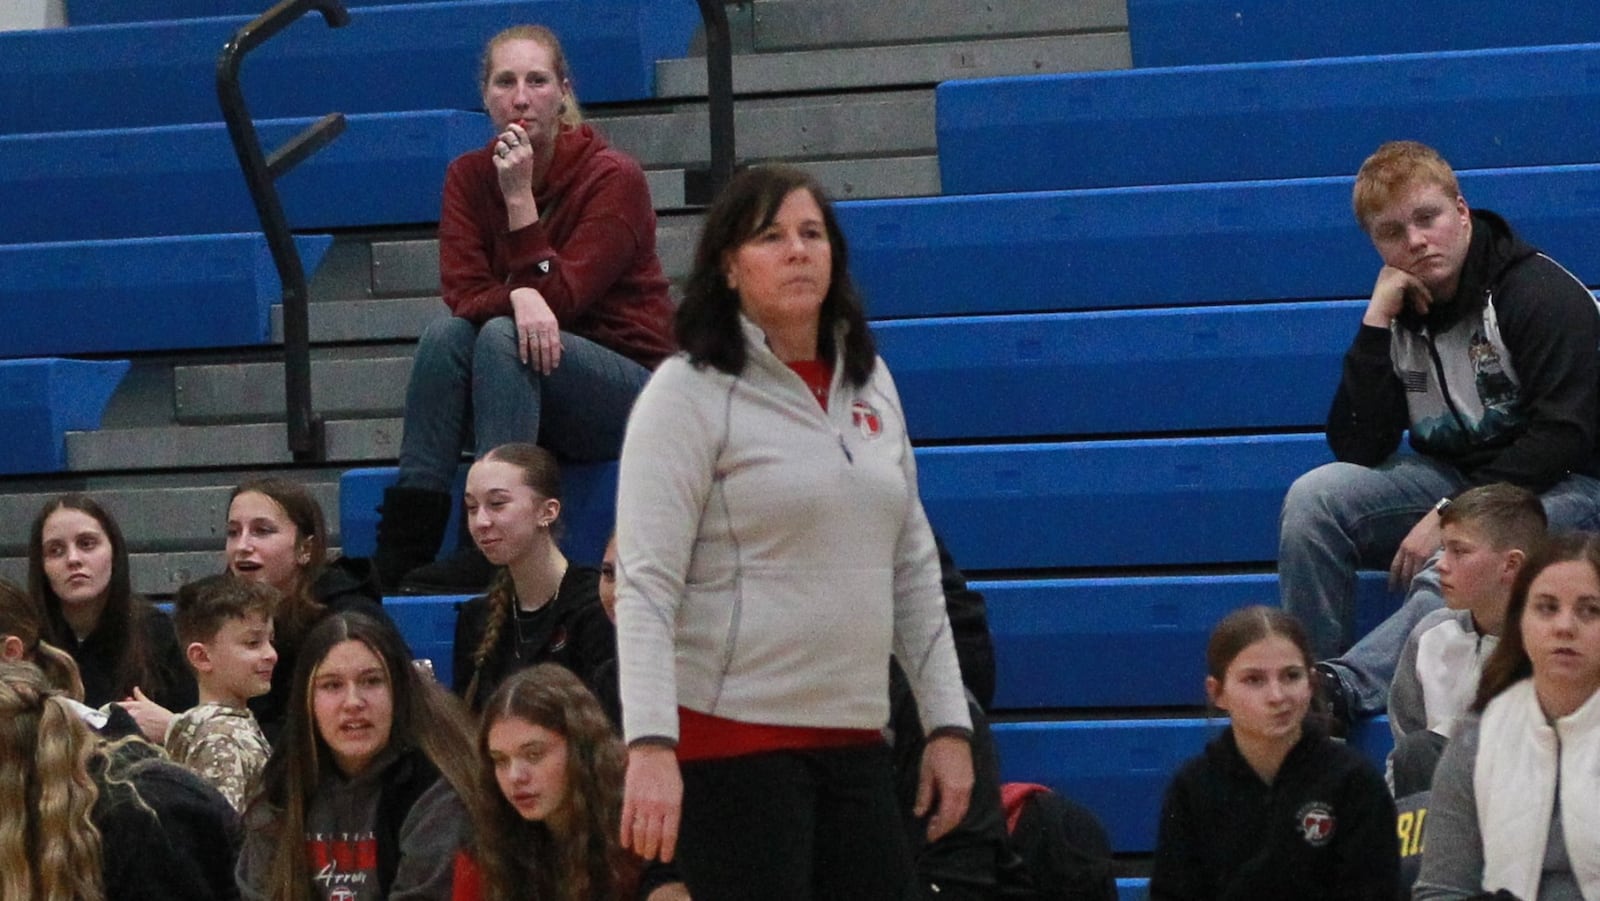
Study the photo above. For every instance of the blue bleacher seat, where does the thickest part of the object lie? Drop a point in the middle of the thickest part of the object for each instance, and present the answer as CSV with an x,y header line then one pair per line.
x,y
1120,768
1481,109
1183,32
1263,366
141,294
42,399
1172,245
386,169
588,509
1133,889
428,623
400,57
113,12
1068,643
1171,501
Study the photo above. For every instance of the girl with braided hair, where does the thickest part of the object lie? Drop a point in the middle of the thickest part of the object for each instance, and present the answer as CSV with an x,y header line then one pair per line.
x,y
85,821
541,607
549,831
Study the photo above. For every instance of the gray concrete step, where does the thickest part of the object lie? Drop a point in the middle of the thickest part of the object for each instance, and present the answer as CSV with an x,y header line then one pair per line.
x,y
900,65
165,447
812,24
242,392
159,516
876,124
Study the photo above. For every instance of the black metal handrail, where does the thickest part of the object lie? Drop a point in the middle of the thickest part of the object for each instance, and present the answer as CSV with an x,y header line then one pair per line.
x,y
307,439
702,187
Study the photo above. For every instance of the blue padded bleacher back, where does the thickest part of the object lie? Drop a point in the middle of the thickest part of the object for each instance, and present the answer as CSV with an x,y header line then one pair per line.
x,y
113,12
1211,368
386,169
1133,889
1172,245
588,509
1481,109
1192,501
1135,641
40,400
389,58
1121,768
428,624
142,294
1183,32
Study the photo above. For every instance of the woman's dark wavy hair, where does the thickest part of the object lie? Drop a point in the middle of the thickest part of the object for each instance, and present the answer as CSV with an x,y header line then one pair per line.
x,y
707,321
1509,663
122,621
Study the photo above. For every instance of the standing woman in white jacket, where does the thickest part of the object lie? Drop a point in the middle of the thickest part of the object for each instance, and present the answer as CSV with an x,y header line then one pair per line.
x,y
1513,803
772,554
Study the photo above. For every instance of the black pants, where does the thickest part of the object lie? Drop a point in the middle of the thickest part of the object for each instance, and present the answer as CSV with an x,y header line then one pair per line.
x,y
794,826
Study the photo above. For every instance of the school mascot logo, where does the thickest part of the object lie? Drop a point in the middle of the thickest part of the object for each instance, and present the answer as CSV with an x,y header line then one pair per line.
x,y
866,419
1316,824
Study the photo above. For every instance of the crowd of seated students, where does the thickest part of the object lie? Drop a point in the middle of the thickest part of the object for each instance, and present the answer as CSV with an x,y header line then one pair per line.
x,y
776,684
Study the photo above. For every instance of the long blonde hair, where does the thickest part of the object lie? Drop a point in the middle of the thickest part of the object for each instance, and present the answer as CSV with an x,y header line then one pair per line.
x,y
49,845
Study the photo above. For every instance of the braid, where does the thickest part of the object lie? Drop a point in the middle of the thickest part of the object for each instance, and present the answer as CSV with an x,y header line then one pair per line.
x,y
499,611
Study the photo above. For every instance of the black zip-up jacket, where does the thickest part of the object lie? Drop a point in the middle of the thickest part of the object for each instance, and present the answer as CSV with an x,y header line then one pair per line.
x,y
577,635
1500,382
1324,829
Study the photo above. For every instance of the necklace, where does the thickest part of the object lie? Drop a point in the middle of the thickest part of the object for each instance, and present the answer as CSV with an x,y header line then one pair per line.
x,y
517,617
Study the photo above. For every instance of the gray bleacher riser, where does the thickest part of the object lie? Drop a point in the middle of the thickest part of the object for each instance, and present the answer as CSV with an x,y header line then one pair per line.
x,y
248,444
157,517
909,64
880,123
388,319
805,24
254,391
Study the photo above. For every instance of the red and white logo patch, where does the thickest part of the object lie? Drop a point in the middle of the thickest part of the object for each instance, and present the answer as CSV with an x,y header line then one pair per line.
x,y
866,419
1316,823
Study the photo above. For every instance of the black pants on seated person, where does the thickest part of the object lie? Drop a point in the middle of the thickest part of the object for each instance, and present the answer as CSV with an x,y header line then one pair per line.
x,y
794,826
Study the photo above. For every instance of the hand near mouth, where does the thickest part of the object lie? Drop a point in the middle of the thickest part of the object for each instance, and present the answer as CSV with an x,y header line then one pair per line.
x,y
1395,290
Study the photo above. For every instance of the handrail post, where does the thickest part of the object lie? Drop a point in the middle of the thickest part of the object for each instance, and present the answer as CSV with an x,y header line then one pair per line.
x,y
306,437
719,98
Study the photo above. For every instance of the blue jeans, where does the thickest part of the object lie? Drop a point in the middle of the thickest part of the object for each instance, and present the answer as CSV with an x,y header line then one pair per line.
x,y
468,389
1341,517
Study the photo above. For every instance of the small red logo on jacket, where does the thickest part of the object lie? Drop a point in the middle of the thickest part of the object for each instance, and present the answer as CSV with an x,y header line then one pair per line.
x,y
1316,823
866,419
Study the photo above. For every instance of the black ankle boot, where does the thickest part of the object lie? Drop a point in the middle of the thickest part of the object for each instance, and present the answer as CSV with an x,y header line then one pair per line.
x,y
410,526
466,571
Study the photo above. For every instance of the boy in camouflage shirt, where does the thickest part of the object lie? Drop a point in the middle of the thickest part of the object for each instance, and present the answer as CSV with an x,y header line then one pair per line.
x,y
225,626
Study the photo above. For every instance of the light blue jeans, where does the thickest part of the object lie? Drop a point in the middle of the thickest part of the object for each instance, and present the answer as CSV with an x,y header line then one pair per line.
x,y
1340,518
469,390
